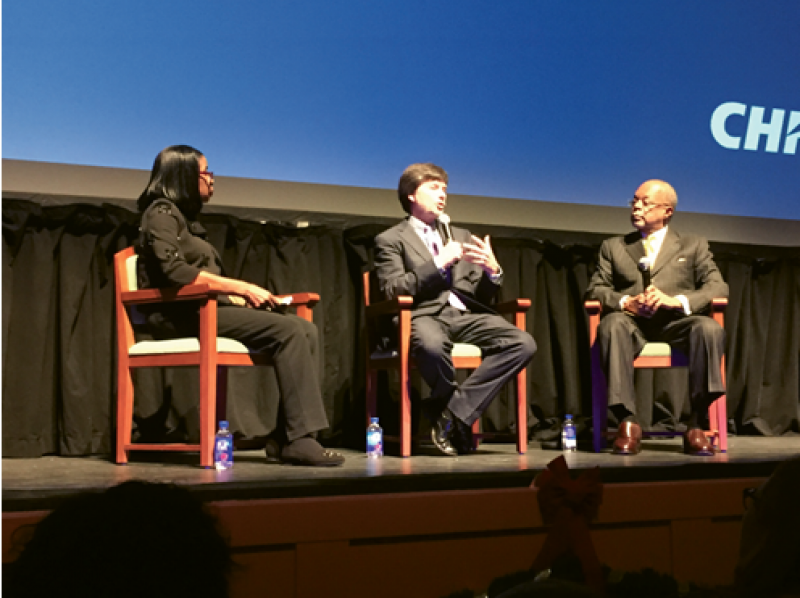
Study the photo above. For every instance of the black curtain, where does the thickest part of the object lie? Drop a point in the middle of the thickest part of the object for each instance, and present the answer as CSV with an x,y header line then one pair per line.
x,y
58,328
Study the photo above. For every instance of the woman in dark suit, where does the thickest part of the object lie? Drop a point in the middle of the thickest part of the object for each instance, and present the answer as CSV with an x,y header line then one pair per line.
x,y
173,251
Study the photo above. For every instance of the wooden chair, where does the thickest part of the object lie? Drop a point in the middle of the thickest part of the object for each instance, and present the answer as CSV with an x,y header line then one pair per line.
x,y
465,356
654,355
210,353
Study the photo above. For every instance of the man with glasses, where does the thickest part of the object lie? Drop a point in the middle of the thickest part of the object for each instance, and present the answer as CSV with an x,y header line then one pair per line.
x,y
683,279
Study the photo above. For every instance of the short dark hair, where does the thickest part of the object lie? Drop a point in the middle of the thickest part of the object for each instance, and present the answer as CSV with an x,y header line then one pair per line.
x,y
175,176
413,177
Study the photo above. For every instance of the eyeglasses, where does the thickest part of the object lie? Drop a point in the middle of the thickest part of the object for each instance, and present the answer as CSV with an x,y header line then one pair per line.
x,y
208,172
646,207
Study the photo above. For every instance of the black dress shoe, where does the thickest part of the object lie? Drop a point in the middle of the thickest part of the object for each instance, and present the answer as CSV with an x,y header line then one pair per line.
x,y
442,433
309,452
463,437
274,446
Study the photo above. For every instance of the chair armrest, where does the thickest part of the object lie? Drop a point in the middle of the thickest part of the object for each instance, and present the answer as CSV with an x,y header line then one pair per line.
x,y
592,306
307,299
718,305
392,306
593,309
189,292
514,306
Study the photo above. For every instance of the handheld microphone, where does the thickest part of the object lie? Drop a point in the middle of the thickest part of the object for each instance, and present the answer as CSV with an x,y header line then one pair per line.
x,y
645,264
448,235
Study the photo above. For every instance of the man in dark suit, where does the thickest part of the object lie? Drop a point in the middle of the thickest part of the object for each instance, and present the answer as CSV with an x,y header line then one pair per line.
x,y
683,281
453,277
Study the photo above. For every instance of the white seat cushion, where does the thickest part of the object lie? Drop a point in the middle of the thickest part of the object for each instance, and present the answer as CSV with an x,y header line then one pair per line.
x,y
185,345
459,350
656,350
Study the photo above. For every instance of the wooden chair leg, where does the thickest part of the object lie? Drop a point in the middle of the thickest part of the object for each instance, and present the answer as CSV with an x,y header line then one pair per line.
x,y
722,422
405,413
476,434
124,413
208,414
522,411
722,411
599,402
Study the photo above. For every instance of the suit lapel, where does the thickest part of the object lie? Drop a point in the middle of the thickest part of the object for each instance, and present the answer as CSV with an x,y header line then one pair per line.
x,y
634,246
669,248
410,237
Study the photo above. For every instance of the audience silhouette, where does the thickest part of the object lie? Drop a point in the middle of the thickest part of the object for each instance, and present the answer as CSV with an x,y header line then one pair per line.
x,y
137,539
769,557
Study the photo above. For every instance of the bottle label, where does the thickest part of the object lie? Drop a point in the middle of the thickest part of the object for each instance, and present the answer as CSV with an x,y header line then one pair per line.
x,y
374,442
569,438
223,452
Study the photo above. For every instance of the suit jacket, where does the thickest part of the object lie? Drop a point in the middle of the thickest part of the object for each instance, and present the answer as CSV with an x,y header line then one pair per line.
x,y
684,266
405,266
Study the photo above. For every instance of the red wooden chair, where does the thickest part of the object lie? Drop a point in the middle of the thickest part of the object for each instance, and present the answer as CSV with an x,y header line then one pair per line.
x,y
465,356
654,355
210,353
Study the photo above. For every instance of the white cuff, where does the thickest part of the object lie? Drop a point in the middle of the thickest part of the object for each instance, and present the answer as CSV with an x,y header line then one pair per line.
x,y
685,302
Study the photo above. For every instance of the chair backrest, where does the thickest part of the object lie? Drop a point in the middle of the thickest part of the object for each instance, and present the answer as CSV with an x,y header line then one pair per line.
x,y
131,279
124,281
125,270
370,280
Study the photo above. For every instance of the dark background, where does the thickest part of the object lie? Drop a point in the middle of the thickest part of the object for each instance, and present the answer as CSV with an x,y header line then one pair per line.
x,y
58,328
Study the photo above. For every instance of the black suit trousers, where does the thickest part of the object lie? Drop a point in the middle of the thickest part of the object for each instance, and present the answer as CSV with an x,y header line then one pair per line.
x,y
292,343
621,337
505,348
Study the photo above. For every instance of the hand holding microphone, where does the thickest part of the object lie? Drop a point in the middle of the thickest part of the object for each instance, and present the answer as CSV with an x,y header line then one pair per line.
x,y
652,299
645,264
444,219
452,251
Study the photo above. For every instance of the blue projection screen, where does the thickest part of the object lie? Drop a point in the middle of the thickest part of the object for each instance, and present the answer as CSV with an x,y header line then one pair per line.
x,y
573,101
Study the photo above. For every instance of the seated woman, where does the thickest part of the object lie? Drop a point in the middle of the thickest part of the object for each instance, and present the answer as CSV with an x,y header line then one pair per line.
x,y
173,251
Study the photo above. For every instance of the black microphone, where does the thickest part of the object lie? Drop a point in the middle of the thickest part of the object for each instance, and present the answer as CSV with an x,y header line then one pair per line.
x,y
645,264
445,221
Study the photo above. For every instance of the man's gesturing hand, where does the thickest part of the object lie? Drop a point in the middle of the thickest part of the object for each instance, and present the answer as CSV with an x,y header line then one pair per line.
x,y
480,252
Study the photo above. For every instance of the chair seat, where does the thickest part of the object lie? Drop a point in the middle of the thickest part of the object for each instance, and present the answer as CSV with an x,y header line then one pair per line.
x,y
656,350
459,350
185,345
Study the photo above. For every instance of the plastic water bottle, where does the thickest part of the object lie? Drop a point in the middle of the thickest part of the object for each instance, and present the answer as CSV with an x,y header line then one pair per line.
x,y
374,439
223,447
569,439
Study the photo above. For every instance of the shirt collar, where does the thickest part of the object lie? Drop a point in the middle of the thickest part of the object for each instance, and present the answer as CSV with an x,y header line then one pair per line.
x,y
419,225
657,236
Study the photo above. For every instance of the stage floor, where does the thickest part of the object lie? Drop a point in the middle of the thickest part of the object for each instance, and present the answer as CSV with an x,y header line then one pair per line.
x,y
40,484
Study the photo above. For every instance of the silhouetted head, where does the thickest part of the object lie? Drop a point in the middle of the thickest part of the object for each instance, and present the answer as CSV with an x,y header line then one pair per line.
x,y
134,540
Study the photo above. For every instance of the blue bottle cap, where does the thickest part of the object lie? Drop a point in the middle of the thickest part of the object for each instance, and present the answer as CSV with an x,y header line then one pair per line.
x,y
223,425
373,420
568,416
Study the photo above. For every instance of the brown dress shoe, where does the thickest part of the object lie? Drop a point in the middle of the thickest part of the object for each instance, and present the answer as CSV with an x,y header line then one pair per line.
x,y
695,442
628,440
